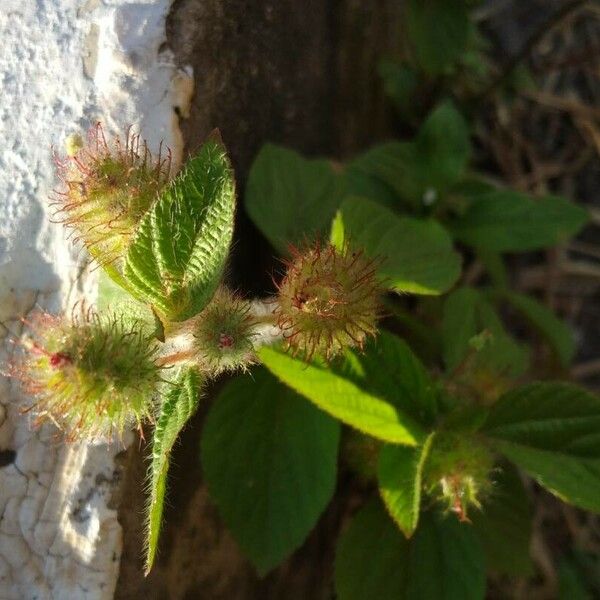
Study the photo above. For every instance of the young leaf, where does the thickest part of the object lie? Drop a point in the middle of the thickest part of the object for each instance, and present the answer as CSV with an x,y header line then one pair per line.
x,y
417,255
343,398
178,405
551,430
289,197
547,323
372,558
446,561
504,524
438,31
507,221
270,461
178,254
399,472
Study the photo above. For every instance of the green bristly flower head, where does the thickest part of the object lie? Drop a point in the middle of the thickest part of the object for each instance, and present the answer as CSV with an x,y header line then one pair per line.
x,y
328,301
224,332
458,472
107,188
93,376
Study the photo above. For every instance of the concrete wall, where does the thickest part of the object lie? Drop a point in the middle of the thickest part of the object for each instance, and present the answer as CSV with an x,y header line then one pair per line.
x,y
64,64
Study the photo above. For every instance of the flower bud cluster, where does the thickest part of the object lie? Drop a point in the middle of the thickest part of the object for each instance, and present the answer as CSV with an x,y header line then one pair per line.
x,y
223,333
92,376
107,189
328,301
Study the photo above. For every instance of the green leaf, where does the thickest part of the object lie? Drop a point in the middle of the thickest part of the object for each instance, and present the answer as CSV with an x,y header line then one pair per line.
x,y
178,405
372,558
467,314
417,255
552,431
547,323
400,83
343,398
507,221
438,31
504,524
559,417
270,461
389,369
400,471
423,170
446,561
290,198
177,256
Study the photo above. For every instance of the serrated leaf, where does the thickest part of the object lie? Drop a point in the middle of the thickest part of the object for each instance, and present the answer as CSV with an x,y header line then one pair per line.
x,y
290,198
504,524
178,405
417,255
343,398
547,323
438,31
270,461
508,221
552,431
399,472
177,256
372,557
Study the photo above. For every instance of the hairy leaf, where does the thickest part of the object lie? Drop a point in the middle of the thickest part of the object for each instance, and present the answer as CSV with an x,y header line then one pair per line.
x,y
178,405
270,461
552,431
341,397
400,477
178,254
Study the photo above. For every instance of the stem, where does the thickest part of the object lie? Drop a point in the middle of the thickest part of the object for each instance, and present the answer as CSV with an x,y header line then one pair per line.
x,y
172,359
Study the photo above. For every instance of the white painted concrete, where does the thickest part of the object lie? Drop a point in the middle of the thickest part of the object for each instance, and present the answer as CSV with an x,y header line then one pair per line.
x,y
64,64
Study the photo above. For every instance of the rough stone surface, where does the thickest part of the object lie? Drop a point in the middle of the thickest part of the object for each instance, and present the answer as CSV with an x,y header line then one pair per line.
x,y
64,64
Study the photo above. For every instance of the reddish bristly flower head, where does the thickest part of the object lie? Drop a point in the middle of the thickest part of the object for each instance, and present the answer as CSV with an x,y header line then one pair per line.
x,y
92,376
106,189
328,301
224,332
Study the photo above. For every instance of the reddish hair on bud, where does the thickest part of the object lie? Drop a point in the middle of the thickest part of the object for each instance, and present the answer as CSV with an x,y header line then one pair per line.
x,y
93,376
328,300
107,188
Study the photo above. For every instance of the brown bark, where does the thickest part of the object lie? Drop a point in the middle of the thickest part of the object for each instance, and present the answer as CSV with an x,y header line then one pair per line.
x,y
300,73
